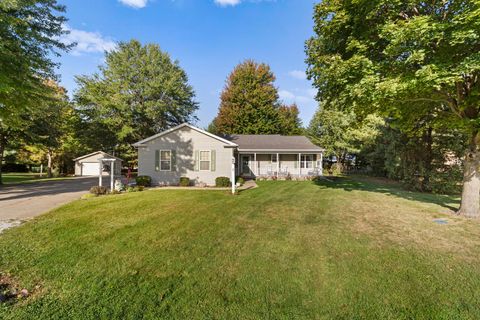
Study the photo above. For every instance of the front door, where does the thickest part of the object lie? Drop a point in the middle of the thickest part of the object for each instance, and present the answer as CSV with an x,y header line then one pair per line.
x,y
245,165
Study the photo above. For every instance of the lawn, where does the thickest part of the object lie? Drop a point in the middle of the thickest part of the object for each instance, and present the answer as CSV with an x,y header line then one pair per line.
x,y
354,248
22,177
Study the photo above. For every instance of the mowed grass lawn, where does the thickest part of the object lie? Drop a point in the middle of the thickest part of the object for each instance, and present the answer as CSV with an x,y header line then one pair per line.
x,y
25,177
355,248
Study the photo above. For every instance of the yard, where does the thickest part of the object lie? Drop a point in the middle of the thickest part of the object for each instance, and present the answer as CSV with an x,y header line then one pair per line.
x,y
25,177
354,248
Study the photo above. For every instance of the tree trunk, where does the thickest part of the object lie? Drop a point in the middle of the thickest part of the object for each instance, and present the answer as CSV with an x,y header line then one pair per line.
x,y
49,164
428,160
470,205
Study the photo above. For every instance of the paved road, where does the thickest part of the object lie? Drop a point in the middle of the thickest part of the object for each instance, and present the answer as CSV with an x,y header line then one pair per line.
x,y
19,202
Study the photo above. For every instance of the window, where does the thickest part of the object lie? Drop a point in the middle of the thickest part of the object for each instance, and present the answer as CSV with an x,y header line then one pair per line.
x,y
205,160
306,161
274,158
165,160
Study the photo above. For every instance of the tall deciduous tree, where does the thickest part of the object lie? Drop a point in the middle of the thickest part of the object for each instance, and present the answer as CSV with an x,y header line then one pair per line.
x,y
341,134
139,91
29,34
406,59
289,120
249,102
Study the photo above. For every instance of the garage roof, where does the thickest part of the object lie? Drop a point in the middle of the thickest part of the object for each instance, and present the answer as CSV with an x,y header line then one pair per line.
x,y
104,154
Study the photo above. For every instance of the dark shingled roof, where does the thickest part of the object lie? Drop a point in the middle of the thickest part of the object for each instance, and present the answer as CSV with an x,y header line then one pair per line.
x,y
272,142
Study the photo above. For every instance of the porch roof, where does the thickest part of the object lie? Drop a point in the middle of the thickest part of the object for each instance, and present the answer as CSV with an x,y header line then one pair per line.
x,y
273,143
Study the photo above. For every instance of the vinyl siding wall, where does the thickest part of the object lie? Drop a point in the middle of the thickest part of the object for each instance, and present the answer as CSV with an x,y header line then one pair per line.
x,y
185,143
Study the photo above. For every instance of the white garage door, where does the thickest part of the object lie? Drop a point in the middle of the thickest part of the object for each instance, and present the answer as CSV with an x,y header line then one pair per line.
x,y
90,169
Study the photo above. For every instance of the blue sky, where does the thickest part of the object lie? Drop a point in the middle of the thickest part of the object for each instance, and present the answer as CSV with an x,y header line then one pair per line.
x,y
208,37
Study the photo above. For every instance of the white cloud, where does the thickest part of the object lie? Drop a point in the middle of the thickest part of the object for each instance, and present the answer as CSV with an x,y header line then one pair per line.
x,y
298,74
286,95
225,3
303,96
137,4
87,42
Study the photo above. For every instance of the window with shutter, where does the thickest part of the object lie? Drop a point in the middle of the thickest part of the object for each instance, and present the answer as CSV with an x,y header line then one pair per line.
x,y
205,160
165,160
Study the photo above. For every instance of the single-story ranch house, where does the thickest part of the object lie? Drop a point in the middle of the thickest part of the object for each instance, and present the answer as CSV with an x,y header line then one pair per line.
x,y
187,151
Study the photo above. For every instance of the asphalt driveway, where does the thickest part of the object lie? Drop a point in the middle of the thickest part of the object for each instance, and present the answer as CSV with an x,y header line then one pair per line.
x,y
24,201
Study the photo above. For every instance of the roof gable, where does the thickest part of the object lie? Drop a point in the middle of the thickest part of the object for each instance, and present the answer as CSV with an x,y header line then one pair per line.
x,y
183,125
94,153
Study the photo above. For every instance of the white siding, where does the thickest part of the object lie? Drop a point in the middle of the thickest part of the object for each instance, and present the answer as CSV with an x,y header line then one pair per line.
x,y
184,142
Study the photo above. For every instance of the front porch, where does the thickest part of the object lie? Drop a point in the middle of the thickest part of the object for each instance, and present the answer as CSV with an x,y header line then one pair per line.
x,y
280,165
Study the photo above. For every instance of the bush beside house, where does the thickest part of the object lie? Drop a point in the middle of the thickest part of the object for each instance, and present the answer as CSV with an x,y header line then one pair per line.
x,y
222,182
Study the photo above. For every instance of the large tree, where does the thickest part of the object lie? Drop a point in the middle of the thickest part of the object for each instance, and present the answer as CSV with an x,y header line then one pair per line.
x,y
139,91
406,59
342,135
29,34
250,104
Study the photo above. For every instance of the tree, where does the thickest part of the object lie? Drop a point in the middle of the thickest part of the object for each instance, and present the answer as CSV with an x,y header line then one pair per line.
x,y
139,92
341,134
50,128
289,121
249,102
405,59
29,33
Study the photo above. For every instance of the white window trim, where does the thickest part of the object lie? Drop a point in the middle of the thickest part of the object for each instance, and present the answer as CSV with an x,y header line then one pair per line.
x,y
169,161
209,160
271,158
303,163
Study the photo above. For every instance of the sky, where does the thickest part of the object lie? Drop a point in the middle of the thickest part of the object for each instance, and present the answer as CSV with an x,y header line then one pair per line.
x,y
208,38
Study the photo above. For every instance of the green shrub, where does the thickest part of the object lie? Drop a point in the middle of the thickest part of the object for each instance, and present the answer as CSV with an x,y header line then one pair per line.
x,y
241,181
144,181
97,190
222,182
131,189
184,182
139,188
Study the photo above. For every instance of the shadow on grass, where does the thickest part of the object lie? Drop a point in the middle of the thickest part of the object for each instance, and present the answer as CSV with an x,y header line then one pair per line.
x,y
370,184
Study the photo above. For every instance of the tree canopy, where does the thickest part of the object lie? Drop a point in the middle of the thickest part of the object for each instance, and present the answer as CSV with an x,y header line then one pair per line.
x,y
139,91
250,104
406,60
29,31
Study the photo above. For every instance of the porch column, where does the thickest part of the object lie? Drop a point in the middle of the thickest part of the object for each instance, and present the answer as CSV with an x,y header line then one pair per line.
x,y
320,165
112,175
100,166
299,164
256,165
278,164
238,164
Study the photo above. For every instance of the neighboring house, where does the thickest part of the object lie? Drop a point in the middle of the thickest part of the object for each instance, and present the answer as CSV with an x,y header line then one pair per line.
x,y
89,164
187,151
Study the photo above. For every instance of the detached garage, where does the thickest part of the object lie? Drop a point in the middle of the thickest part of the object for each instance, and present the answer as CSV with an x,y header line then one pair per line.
x,y
89,165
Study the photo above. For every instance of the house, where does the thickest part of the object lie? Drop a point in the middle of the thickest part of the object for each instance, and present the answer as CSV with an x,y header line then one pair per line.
x,y
187,151
89,164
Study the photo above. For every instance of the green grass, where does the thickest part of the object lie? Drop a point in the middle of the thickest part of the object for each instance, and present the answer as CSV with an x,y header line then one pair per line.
x,y
21,177
349,249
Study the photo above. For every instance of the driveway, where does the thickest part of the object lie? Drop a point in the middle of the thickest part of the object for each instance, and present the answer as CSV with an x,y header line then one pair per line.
x,y
24,201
